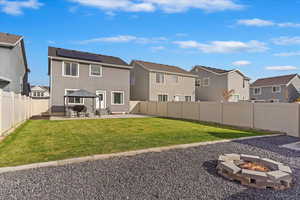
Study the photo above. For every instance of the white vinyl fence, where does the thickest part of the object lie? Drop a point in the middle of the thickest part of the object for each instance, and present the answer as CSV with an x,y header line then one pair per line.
x,y
279,117
16,109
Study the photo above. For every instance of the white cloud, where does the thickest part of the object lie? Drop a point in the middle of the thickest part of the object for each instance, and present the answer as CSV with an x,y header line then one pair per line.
x,y
255,22
285,54
261,22
224,46
124,39
51,42
241,63
169,6
158,48
286,40
16,7
281,68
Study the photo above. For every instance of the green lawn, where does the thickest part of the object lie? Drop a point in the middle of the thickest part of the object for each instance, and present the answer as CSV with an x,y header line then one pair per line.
x,y
44,140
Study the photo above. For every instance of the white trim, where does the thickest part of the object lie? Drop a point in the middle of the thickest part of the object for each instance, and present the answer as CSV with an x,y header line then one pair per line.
x,y
74,97
89,62
104,98
277,91
260,89
5,79
112,98
206,85
90,70
11,45
220,74
70,76
296,76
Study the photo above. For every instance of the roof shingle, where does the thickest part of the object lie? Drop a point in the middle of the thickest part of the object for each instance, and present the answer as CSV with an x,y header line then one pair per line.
x,y
216,70
9,38
277,80
162,67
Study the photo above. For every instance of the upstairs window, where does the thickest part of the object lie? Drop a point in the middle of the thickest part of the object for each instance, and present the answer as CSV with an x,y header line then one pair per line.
x,y
70,69
257,91
95,70
198,83
160,78
206,82
276,89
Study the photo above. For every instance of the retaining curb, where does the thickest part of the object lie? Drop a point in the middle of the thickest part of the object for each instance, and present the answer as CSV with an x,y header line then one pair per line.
x,y
128,153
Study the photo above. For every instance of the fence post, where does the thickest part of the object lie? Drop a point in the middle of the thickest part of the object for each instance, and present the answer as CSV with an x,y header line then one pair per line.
x,y
12,95
253,117
199,110
222,112
1,93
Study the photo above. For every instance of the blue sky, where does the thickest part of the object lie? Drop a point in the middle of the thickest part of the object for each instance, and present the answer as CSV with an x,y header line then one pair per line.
x,y
259,37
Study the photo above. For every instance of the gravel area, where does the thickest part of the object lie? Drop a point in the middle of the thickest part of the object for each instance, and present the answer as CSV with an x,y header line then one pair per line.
x,y
175,174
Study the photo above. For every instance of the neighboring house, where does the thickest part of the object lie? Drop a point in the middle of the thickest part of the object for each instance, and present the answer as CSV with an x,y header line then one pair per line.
x,y
13,64
40,92
158,82
106,76
212,83
276,89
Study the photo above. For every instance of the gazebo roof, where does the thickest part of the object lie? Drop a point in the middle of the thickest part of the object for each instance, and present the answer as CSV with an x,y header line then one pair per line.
x,y
82,93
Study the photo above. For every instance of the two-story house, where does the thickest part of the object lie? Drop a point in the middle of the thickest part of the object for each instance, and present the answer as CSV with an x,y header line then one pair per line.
x,y
106,76
40,92
158,82
212,83
276,89
13,64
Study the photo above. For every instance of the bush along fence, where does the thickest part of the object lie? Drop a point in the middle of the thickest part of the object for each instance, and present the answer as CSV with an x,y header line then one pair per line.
x,y
16,109
278,117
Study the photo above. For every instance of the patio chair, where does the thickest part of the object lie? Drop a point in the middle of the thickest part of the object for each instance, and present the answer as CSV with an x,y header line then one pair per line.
x,y
72,113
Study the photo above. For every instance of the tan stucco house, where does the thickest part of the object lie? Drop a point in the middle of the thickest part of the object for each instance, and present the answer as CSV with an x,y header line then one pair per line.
x,y
159,82
211,84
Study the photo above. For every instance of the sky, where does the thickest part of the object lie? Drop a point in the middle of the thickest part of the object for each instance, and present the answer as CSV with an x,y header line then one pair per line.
x,y
261,38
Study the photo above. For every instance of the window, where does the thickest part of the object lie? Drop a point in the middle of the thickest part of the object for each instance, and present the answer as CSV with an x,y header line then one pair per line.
x,y
276,89
163,97
257,91
117,98
198,83
70,69
188,98
206,82
243,83
274,100
175,78
160,78
95,70
73,100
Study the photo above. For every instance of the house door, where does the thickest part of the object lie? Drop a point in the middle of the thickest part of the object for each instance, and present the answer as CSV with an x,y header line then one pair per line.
x,y
101,100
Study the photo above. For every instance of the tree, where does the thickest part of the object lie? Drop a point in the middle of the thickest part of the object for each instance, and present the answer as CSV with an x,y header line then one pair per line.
x,y
227,94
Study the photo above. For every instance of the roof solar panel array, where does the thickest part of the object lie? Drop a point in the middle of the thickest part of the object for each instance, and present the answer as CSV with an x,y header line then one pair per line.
x,y
78,55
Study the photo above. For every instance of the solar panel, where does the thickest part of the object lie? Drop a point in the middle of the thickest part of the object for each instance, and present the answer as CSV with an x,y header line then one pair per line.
x,y
78,55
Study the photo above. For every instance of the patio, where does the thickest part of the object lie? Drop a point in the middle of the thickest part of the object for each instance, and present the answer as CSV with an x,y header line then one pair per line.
x,y
120,116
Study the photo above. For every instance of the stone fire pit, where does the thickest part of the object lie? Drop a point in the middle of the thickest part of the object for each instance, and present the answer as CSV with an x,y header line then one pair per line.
x,y
255,171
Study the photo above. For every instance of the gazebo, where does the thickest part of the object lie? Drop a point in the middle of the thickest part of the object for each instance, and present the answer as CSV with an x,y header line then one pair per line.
x,y
82,94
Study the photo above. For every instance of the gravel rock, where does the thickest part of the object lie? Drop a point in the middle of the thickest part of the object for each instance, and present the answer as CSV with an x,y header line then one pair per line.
x,y
175,174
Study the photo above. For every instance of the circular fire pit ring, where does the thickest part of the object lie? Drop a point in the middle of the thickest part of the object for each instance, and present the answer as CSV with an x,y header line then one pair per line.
x,y
255,171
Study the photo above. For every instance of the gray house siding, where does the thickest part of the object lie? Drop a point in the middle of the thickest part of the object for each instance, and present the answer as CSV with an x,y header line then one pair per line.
x,y
213,92
239,84
289,93
184,87
113,79
268,95
13,69
218,83
139,90
145,87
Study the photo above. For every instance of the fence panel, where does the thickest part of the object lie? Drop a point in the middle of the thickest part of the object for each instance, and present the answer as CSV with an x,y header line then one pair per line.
x,y
152,108
162,109
211,112
283,117
175,109
190,110
238,114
